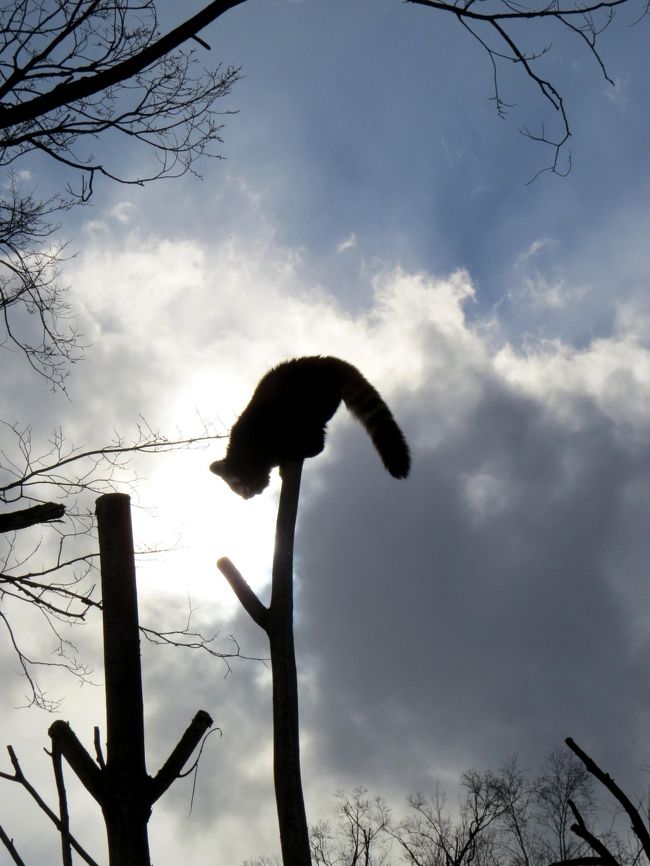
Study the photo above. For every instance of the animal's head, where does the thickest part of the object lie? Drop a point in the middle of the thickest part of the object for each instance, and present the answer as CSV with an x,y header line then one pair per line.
x,y
244,482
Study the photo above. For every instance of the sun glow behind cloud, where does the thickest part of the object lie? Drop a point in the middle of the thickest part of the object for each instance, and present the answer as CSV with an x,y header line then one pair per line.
x,y
175,348
176,343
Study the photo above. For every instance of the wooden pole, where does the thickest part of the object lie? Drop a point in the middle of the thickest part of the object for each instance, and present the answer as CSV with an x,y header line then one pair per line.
x,y
294,832
277,622
126,803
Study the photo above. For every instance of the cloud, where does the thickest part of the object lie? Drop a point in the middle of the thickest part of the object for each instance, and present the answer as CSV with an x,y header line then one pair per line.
x,y
618,91
122,211
484,585
492,603
541,283
348,244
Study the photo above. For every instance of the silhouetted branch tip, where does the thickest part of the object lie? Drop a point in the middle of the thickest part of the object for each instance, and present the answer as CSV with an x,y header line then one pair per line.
x,y
249,601
638,824
45,513
66,741
173,766
11,848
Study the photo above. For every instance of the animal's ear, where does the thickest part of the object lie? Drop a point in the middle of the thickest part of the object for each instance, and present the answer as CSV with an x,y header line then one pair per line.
x,y
218,467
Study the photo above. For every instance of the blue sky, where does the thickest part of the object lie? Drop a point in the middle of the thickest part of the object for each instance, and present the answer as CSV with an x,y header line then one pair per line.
x,y
372,205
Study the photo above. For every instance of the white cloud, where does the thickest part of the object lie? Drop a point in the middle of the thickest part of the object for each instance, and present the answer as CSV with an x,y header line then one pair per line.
x,y
174,336
348,244
166,349
533,249
541,281
618,92
122,211
612,374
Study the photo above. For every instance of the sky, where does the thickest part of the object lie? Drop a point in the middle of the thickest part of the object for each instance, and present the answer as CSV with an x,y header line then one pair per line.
x,y
372,205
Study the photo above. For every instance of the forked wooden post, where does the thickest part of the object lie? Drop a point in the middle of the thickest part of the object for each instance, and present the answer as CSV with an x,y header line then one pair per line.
x,y
122,787
277,622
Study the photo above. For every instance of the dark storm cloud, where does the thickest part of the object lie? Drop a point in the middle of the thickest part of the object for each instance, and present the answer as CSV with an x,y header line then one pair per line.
x,y
445,623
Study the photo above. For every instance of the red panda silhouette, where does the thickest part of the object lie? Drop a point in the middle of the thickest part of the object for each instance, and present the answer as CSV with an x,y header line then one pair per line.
x,y
287,417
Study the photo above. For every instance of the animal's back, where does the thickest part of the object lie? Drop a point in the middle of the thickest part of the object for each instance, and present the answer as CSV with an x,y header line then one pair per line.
x,y
298,398
307,392
287,416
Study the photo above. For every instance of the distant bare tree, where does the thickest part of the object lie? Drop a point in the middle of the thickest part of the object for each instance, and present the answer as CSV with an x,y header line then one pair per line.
x,y
563,780
358,836
263,860
430,835
535,824
503,818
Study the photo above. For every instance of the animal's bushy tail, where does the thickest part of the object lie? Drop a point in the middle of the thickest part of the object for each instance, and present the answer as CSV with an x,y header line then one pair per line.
x,y
368,407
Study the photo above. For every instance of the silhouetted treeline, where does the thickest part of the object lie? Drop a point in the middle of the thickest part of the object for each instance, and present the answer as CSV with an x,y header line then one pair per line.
x,y
505,818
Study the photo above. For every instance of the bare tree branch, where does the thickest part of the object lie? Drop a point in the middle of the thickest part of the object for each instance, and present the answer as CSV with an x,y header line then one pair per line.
x,y
82,88
638,825
11,848
73,78
58,580
489,23
67,743
66,847
13,520
605,856
247,598
173,766
19,777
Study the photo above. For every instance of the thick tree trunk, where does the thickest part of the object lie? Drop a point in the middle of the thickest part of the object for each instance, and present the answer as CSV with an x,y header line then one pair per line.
x,y
126,804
